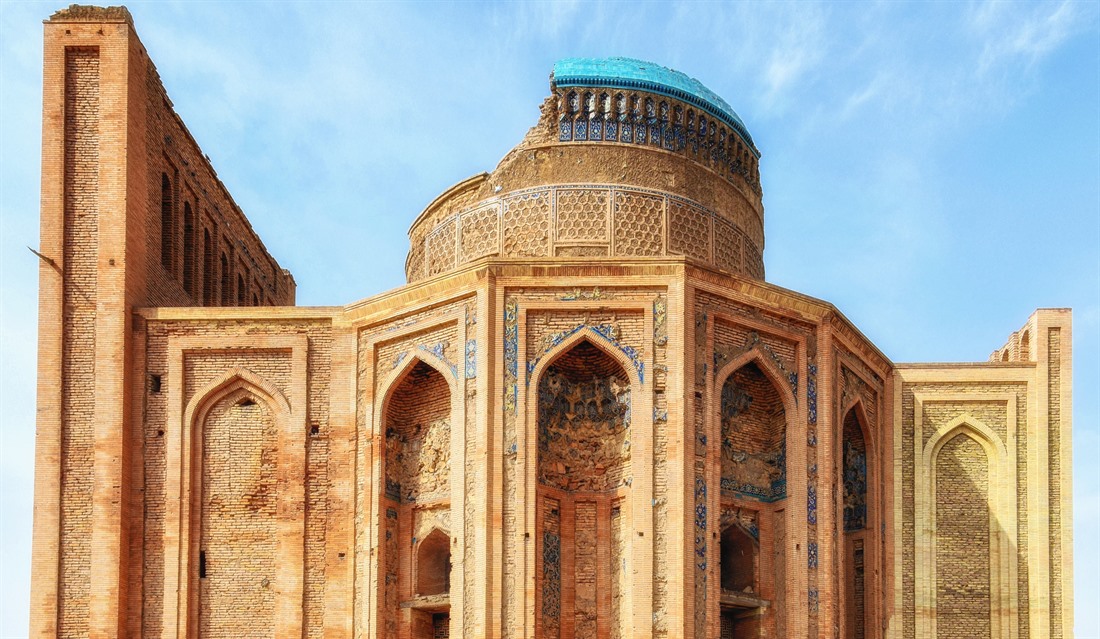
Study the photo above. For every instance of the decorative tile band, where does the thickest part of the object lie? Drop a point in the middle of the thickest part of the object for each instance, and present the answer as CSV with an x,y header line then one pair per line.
x,y
471,358
811,393
511,354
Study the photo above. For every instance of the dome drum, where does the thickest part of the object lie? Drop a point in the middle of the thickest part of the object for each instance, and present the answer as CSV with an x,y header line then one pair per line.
x,y
590,221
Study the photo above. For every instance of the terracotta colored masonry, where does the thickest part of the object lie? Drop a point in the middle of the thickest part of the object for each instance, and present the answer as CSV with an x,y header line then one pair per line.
x,y
585,414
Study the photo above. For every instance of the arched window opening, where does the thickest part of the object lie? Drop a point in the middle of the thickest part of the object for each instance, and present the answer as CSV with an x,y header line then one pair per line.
x,y
225,280
167,227
207,269
433,565
754,437
739,561
1025,346
242,292
188,249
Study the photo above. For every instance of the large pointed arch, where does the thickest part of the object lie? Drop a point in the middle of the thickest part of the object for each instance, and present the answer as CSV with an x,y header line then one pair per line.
x,y
859,547
1002,511
401,552
598,340
635,512
779,564
290,480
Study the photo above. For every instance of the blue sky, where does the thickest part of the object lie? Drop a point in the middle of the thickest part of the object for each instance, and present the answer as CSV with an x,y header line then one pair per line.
x,y
933,169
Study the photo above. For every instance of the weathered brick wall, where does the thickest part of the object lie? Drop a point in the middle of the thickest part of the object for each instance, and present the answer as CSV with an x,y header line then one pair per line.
x,y
208,254
585,541
418,442
962,540
858,616
200,369
238,534
78,330
1054,425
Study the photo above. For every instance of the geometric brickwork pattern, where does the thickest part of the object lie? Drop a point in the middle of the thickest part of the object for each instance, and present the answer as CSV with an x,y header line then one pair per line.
x,y
573,220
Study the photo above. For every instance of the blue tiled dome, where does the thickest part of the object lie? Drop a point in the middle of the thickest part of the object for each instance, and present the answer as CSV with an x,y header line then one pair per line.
x,y
628,73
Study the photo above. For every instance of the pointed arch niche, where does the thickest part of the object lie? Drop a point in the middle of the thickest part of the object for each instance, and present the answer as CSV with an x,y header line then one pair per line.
x,y
965,489
855,463
417,412
754,406
583,472
235,477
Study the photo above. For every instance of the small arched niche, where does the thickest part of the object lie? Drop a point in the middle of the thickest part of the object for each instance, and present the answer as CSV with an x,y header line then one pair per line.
x,y
584,422
754,434
433,564
167,222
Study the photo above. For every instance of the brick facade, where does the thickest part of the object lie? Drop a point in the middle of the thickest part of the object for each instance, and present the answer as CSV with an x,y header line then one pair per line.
x,y
586,415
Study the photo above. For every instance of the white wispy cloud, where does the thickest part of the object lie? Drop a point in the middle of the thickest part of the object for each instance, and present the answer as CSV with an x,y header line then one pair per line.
x,y
1018,33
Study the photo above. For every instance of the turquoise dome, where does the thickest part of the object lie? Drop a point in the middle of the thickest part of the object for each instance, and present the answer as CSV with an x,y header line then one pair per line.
x,y
628,73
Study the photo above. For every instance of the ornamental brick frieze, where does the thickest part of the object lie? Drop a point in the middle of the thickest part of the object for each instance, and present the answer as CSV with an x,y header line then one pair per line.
x,y
587,220
645,119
